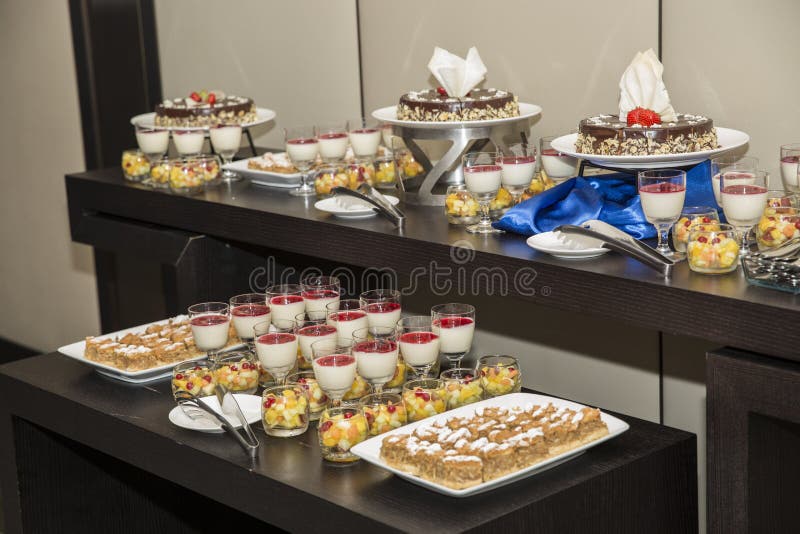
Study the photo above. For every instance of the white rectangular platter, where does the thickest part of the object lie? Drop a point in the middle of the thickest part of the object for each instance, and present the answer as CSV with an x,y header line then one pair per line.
x,y
370,450
76,350
270,179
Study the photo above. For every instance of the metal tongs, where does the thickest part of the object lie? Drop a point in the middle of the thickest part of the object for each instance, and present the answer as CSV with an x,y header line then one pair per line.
x,y
615,239
370,195
249,442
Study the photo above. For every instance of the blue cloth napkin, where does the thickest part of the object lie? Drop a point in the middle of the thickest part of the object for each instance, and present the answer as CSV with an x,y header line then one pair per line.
x,y
612,198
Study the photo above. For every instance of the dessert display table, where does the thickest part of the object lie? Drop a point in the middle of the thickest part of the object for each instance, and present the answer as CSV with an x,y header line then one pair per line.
x,y
80,452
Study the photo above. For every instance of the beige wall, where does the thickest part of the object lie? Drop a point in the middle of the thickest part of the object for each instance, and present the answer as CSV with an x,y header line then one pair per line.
x,y
46,283
297,58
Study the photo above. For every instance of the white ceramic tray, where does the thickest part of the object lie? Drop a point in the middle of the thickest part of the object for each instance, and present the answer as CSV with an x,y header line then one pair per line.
x,y
267,178
389,115
76,350
370,450
263,116
728,140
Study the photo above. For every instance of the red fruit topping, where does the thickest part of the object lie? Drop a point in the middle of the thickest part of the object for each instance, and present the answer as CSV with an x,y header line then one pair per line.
x,y
195,96
324,427
797,225
687,223
510,369
234,368
423,395
179,377
441,91
767,235
644,117
207,378
301,381
715,241
702,239
212,98
483,373
467,379
370,417
189,385
269,402
197,367
391,408
706,219
348,415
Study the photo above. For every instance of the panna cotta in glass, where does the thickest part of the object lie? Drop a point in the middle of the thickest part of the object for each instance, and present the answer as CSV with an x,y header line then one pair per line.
x,y
335,373
188,142
743,203
153,141
419,348
790,156
226,139
483,180
332,145
320,293
364,138
518,171
246,316
277,352
347,322
382,307
556,165
310,334
376,360
210,322
286,306
455,334
662,201
302,150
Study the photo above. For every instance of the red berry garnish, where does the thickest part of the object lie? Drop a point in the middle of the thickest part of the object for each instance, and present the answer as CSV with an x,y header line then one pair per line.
x,y
269,402
207,378
179,377
234,368
644,117
702,239
212,98
467,379
324,427
195,96
197,367
189,385
797,225
483,373
687,223
301,381
715,241
706,220
441,91
370,417
348,415
391,408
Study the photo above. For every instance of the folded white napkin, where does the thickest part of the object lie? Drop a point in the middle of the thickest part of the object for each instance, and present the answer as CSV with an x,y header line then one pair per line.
x,y
641,86
457,76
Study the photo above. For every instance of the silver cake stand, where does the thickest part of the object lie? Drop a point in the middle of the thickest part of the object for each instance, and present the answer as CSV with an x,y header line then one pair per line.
x,y
465,137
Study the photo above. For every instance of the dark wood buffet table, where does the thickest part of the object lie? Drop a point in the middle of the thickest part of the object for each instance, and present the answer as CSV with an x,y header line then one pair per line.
x,y
83,453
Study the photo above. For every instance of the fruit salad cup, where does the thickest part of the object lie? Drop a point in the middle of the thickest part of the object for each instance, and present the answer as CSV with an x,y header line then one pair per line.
x,y
264,378
328,177
459,205
339,429
385,174
395,385
237,371
359,388
384,412
407,167
208,167
423,398
700,217
499,375
780,220
713,251
317,399
186,179
461,387
160,172
135,166
284,410
359,171
502,201
196,377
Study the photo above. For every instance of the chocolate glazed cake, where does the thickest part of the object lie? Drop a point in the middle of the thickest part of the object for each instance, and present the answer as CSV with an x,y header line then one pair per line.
x,y
187,112
479,104
607,135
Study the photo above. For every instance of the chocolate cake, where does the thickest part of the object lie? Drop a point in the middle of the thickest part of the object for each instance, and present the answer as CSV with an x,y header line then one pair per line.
x,y
205,110
436,106
607,135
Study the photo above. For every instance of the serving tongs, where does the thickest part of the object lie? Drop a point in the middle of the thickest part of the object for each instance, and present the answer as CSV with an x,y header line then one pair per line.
x,y
249,442
370,195
615,239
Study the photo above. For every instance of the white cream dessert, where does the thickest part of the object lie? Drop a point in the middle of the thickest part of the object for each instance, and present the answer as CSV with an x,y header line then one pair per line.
x,y
188,142
347,322
153,141
662,202
246,316
455,334
210,331
277,352
308,335
376,360
743,203
419,348
286,307
384,314
335,373
365,141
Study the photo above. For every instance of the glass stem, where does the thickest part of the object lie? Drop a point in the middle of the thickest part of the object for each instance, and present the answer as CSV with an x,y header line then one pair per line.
x,y
663,238
485,219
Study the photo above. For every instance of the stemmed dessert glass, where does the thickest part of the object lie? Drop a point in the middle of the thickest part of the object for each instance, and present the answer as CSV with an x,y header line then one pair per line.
x,y
226,138
209,322
347,316
247,310
382,307
662,192
519,167
276,347
333,141
418,344
556,165
744,197
153,141
483,175
790,157
365,137
285,301
309,331
454,323
189,142
302,147
335,367
733,166
318,293
375,349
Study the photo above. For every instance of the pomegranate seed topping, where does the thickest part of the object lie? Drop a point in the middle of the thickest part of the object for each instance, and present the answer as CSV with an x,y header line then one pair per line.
x,y
688,223
196,367
269,402
302,381
179,377
370,417
207,378
702,239
189,385
324,427
706,220
715,241
266,404
234,368
348,415
797,225
391,408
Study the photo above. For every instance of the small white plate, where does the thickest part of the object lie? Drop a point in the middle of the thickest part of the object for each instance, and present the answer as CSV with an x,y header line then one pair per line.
x,y
728,140
267,178
549,243
250,405
346,207
370,450
389,114
263,115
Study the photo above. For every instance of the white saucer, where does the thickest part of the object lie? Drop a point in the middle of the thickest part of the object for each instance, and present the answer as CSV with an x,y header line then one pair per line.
x,y
346,207
250,405
549,243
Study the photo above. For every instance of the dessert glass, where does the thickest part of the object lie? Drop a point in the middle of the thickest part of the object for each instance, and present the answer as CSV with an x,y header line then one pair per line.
x,y
135,165
237,372
186,179
196,377
160,170
419,346
318,292
385,173
340,428
500,375
376,352
360,170
423,398
189,142
333,141
461,387
284,410
302,147
347,316
328,177
210,322
208,166
226,138
407,167
780,220
460,207
247,310
382,307
285,301
482,176
317,399
365,136
334,367
153,141
713,251
662,192
518,169
744,197
454,323
384,412
729,164
691,216
276,347
790,156
556,165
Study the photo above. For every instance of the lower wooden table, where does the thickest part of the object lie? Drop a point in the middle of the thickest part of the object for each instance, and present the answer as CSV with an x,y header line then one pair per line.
x,y
81,452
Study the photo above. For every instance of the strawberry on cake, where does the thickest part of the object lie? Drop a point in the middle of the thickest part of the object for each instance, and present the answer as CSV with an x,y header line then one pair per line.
x,y
647,123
